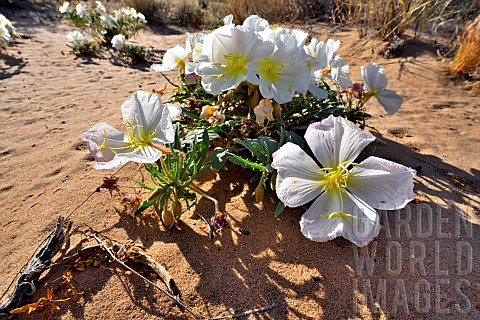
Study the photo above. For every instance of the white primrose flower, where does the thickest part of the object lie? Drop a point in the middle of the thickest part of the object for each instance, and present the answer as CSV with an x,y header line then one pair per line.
x,y
4,34
231,52
100,6
75,38
148,126
4,22
375,83
324,64
130,12
141,17
64,7
119,41
255,23
194,45
172,58
282,73
81,9
340,72
346,193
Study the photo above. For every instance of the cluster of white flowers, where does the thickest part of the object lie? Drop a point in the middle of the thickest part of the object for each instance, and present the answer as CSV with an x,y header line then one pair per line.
x,y
276,59
101,23
344,194
7,30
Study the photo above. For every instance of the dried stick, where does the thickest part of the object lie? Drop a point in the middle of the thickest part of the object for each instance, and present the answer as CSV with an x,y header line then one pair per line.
x,y
194,313
27,282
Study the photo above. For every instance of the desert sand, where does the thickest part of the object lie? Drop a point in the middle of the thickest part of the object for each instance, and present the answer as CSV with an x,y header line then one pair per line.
x,y
423,265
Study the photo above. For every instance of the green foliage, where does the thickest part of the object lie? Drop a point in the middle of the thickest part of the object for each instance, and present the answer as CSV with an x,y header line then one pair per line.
x,y
173,175
87,48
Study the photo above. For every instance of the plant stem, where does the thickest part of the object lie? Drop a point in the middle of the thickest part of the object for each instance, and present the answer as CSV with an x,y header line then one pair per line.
x,y
202,193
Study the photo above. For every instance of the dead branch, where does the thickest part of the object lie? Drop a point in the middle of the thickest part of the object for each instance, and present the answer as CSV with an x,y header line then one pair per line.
x,y
27,283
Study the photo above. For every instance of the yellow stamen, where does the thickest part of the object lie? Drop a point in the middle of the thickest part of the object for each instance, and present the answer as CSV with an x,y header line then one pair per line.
x,y
341,215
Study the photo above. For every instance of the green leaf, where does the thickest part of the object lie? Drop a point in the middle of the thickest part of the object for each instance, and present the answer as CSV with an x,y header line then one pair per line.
x,y
140,209
218,158
280,207
255,147
290,136
246,163
199,135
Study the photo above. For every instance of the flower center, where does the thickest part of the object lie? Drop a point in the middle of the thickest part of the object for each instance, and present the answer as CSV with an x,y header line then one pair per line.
x,y
236,65
336,178
136,138
270,69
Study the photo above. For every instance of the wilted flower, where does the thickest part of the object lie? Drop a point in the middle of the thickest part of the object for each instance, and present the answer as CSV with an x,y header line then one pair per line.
x,y
346,193
263,111
148,126
375,83
75,38
110,183
119,41
219,222
64,7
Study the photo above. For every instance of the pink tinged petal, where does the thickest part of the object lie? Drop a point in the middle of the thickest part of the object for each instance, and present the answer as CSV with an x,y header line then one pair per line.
x,y
389,100
335,140
360,230
382,184
111,139
299,179
374,77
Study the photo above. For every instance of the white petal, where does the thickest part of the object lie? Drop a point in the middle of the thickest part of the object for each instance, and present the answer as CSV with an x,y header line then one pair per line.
x,y
389,100
335,140
114,139
174,110
299,179
170,59
374,77
316,91
146,110
382,184
145,155
359,231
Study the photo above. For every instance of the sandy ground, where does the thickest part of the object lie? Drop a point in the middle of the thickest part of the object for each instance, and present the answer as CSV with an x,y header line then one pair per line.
x,y
423,265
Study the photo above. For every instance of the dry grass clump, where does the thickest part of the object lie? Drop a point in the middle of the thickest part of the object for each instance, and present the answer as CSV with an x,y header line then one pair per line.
x,y
191,13
384,18
156,11
275,11
467,56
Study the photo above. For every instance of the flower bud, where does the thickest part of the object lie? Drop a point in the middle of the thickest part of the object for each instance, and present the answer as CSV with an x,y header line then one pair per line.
x,y
259,192
167,218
